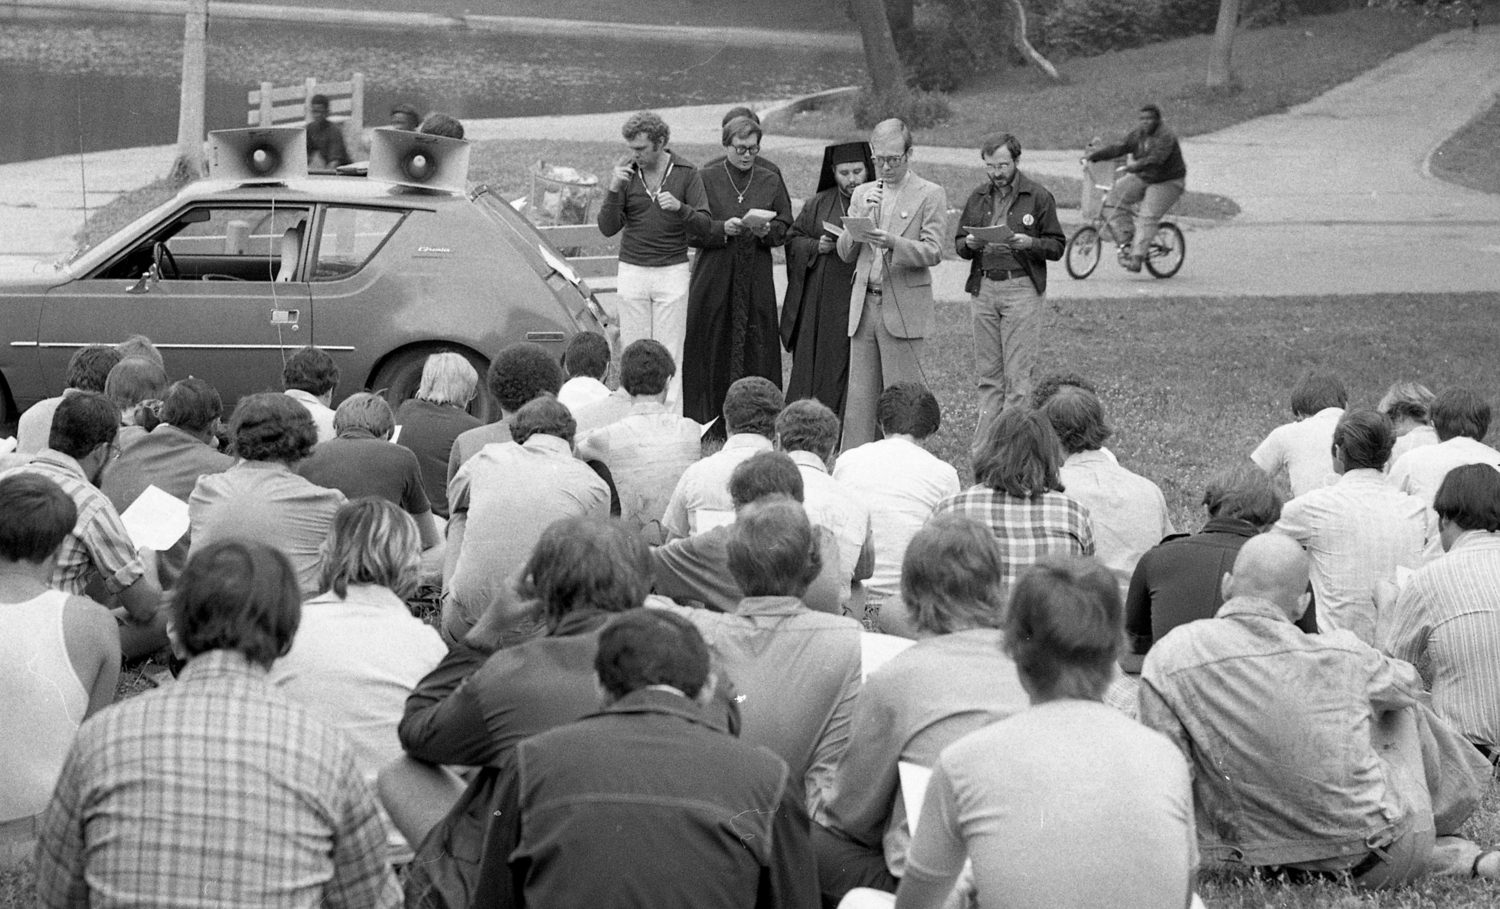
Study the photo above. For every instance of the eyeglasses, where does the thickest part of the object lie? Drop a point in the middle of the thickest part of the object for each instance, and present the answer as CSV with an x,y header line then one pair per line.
x,y
745,149
889,160
997,168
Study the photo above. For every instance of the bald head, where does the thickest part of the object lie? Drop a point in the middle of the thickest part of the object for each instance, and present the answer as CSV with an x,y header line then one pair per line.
x,y
1271,567
891,130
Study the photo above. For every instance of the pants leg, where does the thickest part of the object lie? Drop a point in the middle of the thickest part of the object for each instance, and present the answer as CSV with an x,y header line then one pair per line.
x,y
1126,191
866,378
1155,202
1398,741
634,289
669,307
1007,327
844,865
989,356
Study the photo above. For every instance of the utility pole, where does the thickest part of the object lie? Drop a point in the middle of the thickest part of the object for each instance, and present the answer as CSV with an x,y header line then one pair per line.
x,y
190,112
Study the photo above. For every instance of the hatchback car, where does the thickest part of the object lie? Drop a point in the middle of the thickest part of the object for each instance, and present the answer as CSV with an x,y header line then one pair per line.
x,y
228,280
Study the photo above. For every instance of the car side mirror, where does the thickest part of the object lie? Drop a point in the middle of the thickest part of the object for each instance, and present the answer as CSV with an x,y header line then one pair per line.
x,y
147,281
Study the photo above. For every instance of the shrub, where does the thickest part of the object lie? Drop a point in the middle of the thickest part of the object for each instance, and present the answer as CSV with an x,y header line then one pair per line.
x,y
919,109
953,39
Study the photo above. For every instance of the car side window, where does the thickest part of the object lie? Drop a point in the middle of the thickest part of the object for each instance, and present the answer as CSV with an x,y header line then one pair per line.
x,y
350,237
221,243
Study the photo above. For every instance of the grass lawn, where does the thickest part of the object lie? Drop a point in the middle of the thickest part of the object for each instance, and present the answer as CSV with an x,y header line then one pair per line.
x,y
1468,157
1278,67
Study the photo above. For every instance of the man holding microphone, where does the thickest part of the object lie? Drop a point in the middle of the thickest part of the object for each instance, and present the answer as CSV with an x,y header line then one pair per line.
x,y
657,199
890,305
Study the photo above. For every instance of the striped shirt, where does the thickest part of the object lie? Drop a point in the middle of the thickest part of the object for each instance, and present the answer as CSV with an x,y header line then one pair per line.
x,y
214,791
1447,623
98,542
1026,529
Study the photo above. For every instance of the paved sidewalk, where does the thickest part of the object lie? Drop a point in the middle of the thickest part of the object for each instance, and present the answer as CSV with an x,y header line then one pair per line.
x,y
1335,194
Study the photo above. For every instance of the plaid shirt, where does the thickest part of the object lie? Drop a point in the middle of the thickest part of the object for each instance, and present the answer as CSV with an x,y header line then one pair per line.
x,y
215,791
1026,529
98,542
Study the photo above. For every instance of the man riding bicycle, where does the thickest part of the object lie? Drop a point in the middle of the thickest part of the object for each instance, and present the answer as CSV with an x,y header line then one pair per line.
x,y
1155,176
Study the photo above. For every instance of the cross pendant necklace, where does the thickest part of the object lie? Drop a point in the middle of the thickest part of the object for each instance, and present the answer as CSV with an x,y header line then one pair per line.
x,y
739,194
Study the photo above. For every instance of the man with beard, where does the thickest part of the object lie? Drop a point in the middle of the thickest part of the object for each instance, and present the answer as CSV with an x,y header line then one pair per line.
x,y
815,315
1155,176
1007,278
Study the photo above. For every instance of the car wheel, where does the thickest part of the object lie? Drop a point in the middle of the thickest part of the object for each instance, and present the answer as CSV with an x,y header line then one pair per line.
x,y
400,376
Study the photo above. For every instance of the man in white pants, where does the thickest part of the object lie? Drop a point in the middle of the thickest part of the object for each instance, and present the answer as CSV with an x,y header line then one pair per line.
x,y
656,198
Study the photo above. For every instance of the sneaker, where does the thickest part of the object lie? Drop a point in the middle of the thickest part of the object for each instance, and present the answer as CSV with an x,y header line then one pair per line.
x,y
1132,263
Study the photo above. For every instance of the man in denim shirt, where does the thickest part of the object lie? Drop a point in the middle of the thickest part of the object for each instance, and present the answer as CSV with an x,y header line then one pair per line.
x,y
1312,754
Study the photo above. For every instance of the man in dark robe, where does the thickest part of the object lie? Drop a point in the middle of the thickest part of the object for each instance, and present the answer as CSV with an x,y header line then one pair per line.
x,y
815,314
731,322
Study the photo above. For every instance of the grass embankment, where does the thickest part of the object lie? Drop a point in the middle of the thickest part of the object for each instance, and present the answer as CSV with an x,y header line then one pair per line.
x,y
1468,158
1278,67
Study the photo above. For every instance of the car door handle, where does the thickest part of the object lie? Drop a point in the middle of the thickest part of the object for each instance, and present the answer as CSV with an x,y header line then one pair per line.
x,y
281,317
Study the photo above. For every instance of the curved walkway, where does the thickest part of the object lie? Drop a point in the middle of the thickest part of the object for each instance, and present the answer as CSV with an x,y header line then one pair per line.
x,y
1335,194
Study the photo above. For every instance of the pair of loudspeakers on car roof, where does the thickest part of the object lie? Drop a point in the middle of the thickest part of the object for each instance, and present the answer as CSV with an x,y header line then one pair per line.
x,y
276,154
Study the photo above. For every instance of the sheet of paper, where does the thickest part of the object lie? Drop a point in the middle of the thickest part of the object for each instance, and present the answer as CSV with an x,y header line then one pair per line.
x,y
156,519
859,228
396,434
999,233
832,229
914,779
755,217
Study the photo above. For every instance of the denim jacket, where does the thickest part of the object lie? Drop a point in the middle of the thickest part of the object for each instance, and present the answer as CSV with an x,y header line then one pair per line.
x,y
1277,726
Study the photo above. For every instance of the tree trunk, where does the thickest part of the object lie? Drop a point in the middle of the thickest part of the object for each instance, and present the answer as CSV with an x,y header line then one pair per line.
x,y
1023,44
886,74
190,112
1220,69
901,13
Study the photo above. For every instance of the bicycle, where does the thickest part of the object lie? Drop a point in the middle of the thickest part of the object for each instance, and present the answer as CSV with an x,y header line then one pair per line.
x,y
1165,255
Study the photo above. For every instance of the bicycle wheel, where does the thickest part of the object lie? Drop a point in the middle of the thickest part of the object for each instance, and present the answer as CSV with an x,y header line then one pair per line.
x,y
1168,249
1082,253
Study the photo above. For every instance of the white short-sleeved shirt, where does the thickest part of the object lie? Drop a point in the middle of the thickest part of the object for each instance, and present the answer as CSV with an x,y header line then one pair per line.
x,y
1304,449
902,483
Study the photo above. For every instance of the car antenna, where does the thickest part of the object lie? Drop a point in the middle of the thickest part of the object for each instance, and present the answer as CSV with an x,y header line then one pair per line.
x,y
83,176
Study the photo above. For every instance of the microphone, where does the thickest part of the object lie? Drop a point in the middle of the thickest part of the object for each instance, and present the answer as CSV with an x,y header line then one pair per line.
x,y
875,212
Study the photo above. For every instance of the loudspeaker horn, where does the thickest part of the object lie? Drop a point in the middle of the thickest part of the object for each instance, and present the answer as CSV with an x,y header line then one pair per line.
x,y
418,160
260,154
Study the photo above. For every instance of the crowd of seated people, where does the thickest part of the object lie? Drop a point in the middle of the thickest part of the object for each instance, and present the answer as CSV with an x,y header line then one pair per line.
x,y
769,676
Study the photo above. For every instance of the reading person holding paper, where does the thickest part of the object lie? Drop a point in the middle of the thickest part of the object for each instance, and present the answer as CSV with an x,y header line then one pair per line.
x,y
1008,231
731,320
890,305
815,314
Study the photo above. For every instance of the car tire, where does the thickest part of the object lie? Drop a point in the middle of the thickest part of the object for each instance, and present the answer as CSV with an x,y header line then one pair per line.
x,y
399,377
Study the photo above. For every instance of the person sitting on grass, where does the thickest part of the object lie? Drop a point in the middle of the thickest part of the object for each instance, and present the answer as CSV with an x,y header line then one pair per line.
x,y
136,385
1314,754
954,680
1068,803
216,790
63,650
585,361
361,461
1303,447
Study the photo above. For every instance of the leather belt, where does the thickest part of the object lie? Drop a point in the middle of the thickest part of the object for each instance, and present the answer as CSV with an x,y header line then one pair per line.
x,y
1003,274
874,290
